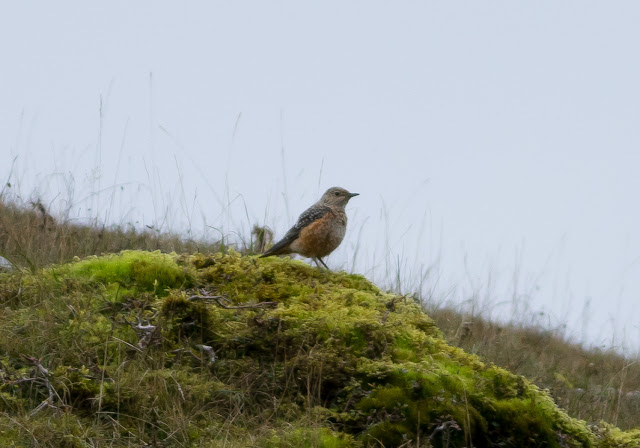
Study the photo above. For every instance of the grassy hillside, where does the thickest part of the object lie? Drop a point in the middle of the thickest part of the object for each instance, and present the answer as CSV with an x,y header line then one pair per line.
x,y
31,237
111,352
228,350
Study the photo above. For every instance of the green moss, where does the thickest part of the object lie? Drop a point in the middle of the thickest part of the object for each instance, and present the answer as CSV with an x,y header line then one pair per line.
x,y
308,438
186,319
611,437
148,271
335,363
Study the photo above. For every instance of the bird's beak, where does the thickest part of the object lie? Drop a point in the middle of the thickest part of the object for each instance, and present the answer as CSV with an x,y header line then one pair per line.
x,y
353,194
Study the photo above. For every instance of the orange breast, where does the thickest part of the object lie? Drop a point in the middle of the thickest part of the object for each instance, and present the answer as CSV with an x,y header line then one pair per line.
x,y
321,237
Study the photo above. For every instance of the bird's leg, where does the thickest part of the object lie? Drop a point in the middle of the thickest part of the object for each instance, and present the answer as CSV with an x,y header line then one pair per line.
x,y
323,263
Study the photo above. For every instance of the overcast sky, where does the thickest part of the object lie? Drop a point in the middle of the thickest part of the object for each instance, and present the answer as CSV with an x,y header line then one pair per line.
x,y
495,145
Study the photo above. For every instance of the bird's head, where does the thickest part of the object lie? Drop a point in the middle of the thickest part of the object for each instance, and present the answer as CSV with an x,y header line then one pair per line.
x,y
337,196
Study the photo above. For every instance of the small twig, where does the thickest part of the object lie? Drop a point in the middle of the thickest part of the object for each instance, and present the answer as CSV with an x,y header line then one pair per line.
x,y
179,388
41,406
73,310
145,332
188,352
349,402
144,328
208,350
218,300
48,402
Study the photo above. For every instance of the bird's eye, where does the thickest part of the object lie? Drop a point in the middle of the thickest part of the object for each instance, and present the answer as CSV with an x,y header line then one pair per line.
x,y
337,193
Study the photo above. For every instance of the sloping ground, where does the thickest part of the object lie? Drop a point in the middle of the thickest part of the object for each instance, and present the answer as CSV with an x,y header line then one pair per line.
x,y
593,384
146,349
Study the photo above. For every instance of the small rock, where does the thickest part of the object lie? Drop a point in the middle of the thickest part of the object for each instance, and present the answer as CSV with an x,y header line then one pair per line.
x,y
5,265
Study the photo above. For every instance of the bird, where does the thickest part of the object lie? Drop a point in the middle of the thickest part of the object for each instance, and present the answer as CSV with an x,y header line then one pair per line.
x,y
319,229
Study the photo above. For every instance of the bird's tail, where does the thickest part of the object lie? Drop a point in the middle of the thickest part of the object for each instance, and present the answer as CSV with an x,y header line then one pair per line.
x,y
270,252
280,248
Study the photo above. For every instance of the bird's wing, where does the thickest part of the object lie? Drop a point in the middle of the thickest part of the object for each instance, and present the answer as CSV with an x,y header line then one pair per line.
x,y
307,217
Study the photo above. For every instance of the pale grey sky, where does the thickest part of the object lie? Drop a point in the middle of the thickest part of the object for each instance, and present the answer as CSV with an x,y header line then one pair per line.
x,y
487,139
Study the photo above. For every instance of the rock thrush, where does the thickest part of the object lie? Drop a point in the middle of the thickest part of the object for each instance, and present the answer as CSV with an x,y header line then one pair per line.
x,y
319,230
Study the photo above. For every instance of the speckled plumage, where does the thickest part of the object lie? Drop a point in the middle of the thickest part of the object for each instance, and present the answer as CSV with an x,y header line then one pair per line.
x,y
319,230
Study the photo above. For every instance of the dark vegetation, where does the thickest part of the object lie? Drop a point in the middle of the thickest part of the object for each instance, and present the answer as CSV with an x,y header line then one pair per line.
x,y
145,349
30,237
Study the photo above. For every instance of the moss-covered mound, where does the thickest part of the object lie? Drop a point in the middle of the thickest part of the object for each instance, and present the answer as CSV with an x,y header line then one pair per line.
x,y
151,349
